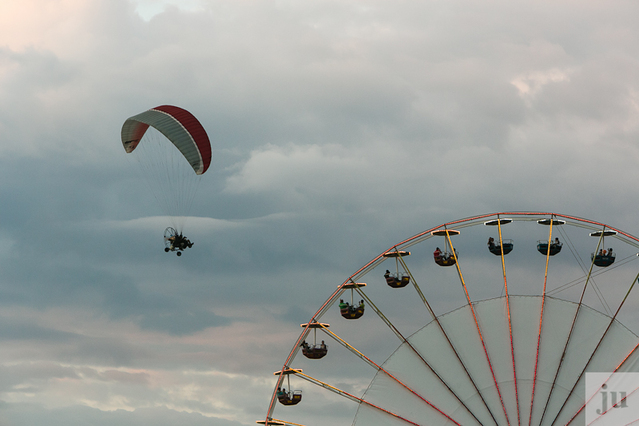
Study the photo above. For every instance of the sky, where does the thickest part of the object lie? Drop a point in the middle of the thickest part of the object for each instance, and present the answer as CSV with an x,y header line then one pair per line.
x,y
338,128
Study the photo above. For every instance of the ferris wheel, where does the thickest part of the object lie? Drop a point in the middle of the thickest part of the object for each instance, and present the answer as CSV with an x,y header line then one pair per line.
x,y
498,319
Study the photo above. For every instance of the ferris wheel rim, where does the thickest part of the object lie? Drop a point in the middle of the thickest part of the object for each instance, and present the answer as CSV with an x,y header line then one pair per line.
x,y
543,218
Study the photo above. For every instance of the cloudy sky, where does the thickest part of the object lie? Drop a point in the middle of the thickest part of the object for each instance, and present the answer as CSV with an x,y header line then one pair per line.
x,y
338,128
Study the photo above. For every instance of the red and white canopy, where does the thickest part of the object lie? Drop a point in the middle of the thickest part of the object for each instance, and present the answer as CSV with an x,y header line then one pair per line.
x,y
179,126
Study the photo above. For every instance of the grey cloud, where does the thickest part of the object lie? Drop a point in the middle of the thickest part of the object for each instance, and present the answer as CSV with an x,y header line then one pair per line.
x,y
337,128
28,414
24,331
182,322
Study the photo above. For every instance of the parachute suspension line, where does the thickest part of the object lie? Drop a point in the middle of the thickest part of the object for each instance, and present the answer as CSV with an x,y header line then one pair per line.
x,y
171,172
572,328
541,318
164,156
168,176
399,335
189,190
380,368
151,177
441,327
479,333
188,184
510,326
592,355
355,398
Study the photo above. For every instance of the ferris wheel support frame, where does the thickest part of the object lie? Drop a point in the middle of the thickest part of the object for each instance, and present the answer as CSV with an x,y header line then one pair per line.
x,y
422,236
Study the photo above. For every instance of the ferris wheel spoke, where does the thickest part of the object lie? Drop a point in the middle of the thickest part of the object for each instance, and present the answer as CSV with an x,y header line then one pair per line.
x,y
621,403
528,354
419,290
416,352
621,364
450,343
541,318
393,377
579,280
583,371
510,327
572,328
350,347
354,398
379,313
278,422
479,333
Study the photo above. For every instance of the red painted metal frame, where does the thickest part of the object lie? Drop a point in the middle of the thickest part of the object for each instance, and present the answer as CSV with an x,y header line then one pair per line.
x,y
352,278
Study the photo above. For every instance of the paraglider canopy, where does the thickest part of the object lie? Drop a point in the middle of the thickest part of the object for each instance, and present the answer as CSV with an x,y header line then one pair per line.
x,y
179,126
171,150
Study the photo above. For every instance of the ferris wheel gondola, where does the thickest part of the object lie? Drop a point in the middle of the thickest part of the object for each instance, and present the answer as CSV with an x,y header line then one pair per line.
x,y
397,279
352,310
448,257
290,397
551,247
314,350
604,256
514,357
